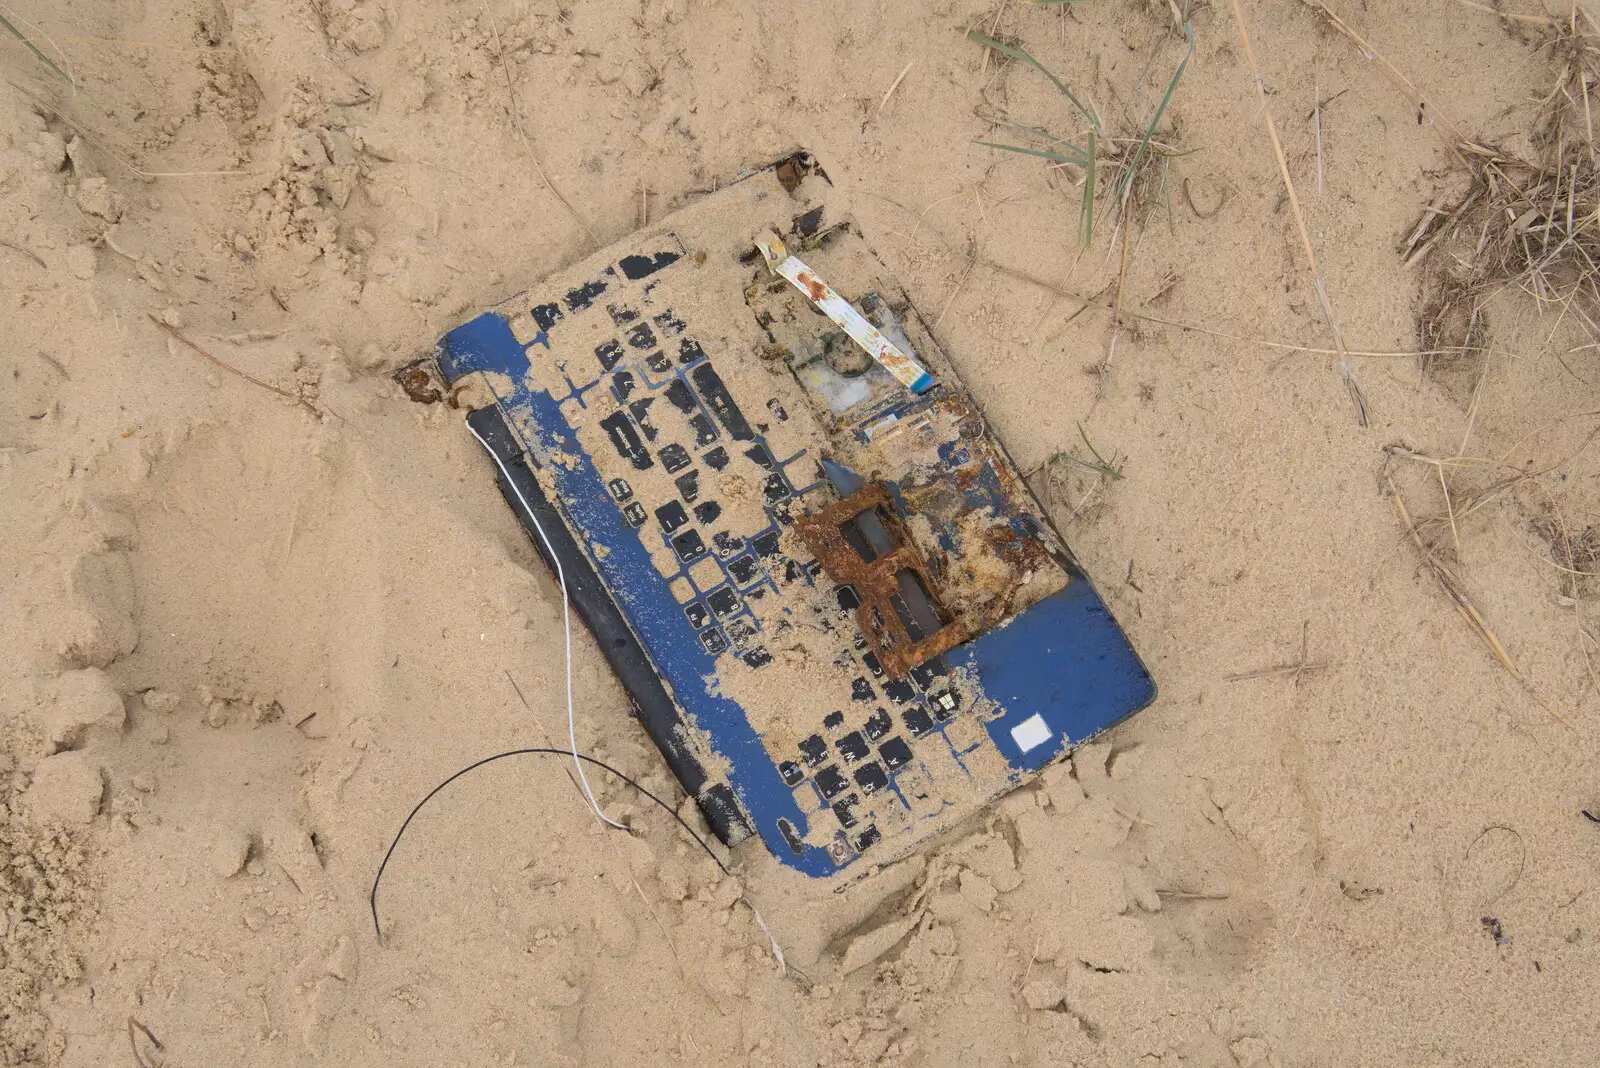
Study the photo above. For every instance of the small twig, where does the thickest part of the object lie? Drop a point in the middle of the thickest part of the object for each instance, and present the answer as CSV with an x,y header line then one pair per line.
x,y
1189,196
1346,370
26,252
1316,122
230,368
527,142
1303,666
895,85
79,129
1453,136
1463,602
1522,862
972,261
133,1042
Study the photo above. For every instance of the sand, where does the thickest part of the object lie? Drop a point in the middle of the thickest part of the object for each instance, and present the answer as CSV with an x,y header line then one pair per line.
x,y
244,633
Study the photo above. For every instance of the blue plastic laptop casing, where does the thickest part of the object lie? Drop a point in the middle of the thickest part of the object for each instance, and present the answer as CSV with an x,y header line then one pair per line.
x,y
588,377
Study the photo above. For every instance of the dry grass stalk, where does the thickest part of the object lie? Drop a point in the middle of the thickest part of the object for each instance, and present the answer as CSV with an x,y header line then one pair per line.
x,y
231,369
1297,670
1531,226
1346,369
1451,585
527,142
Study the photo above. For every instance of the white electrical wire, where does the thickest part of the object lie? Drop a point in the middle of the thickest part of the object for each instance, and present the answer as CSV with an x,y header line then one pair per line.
x,y
566,624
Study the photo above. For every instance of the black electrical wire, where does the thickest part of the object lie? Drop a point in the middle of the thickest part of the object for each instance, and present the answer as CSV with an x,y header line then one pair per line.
x,y
372,898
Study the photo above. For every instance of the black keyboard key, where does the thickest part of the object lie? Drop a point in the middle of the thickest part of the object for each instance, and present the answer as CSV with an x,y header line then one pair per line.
x,y
580,298
705,432
681,396
696,614
720,401
668,323
689,351
546,315
775,489
833,720
672,517
688,486
637,267
878,724
944,704
743,570
845,810
899,691
813,750
713,640
689,546
871,661
716,459
757,656
622,384
861,690
896,753
609,354
642,337
675,457
620,490
658,362
849,598
626,441
762,458
723,601
707,511
640,410
831,781
621,314
766,544
635,514
742,632
726,544
917,720
793,774
924,673
871,778
867,838
853,747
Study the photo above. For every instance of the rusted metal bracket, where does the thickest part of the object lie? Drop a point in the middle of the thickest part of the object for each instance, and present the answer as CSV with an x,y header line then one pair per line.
x,y
883,614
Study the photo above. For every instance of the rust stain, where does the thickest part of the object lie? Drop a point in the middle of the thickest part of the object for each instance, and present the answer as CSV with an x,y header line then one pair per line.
x,y
788,176
877,580
815,288
417,381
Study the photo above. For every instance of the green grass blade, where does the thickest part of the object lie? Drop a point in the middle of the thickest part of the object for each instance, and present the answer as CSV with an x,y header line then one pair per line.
x,y
1018,54
1060,157
1036,131
46,60
1086,220
1155,120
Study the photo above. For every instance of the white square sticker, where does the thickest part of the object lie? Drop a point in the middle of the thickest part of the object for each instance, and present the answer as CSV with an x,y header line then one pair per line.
x,y
1031,733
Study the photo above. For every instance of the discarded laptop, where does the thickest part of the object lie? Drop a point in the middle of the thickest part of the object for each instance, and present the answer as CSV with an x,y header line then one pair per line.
x,y
839,612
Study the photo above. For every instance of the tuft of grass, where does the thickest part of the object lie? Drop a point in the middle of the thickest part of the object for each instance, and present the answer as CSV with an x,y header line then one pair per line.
x,y
1111,469
1528,225
1094,148
39,55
